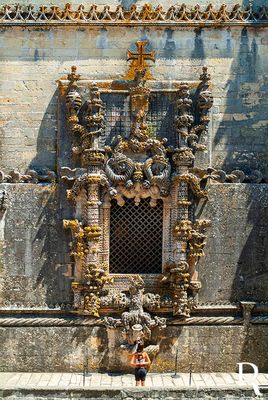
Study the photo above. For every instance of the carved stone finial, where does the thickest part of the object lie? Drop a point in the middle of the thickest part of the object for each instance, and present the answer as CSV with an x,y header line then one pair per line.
x,y
205,76
73,76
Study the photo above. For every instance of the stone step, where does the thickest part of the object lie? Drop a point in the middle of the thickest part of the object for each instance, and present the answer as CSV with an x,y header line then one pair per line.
x,y
61,386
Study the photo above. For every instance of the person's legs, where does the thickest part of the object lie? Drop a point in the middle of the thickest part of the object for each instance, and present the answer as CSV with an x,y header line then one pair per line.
x,y
140,374
137,377
143,373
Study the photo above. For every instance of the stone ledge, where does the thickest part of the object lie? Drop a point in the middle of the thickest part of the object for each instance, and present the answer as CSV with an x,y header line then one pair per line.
x,y
131,393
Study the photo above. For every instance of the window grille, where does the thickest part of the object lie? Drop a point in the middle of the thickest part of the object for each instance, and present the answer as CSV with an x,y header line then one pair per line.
x,y
160,117
117,117
136,237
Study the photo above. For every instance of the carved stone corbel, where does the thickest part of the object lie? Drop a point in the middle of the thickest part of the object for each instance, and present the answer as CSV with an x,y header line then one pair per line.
x,y
136,322
247,308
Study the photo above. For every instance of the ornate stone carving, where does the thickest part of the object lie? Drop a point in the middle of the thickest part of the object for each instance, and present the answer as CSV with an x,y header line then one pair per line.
x,y
175,15
119,169
197,238
155,169
91,125
31,176
138,166
136,322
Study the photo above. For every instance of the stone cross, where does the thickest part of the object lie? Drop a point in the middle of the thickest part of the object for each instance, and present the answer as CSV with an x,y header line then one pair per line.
x,y
141,56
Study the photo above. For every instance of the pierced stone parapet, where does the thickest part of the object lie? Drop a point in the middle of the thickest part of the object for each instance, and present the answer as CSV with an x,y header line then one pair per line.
x,y
175,15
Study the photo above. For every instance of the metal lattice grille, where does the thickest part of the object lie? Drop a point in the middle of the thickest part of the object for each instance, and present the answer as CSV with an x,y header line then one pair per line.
x,y
117,117
136,238
160,116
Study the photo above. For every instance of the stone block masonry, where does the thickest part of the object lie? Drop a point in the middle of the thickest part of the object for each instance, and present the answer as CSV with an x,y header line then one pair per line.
x,y
34,58
36,270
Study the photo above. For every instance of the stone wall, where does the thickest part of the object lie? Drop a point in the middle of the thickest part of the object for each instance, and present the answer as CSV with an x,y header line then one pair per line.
x,y
34,268
33,58
201,348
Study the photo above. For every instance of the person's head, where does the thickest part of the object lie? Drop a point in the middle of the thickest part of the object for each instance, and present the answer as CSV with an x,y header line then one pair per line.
x,y
140,346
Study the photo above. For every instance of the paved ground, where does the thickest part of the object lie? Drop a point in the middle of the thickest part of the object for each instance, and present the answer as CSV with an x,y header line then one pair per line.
x,y
11,380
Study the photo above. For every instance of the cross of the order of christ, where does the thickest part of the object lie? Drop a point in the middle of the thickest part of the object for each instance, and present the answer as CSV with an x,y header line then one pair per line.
x,y
139,60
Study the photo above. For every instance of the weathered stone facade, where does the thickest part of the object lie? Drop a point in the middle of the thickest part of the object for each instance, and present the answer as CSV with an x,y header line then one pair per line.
x,y
36,269
200,348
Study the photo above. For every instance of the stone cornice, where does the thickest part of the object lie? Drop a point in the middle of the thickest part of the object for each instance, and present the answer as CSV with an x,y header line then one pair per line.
x,y
92,15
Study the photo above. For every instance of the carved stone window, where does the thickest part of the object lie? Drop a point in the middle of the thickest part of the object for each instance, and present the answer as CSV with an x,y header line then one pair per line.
x,y
133,182
136,237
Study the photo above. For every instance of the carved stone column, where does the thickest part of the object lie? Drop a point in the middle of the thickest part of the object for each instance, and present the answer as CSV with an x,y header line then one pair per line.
x,y
184,119
177,271
182,158
86,127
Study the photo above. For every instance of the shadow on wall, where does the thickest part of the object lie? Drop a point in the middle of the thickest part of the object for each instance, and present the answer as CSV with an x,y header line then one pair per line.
x,y
251,277
55,273
198,51
242,136
170,50
89,351
46,140
242,139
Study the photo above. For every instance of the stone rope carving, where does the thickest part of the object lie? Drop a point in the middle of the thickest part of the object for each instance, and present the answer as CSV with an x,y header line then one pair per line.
x,y
145,14
79,321
235,176
213,175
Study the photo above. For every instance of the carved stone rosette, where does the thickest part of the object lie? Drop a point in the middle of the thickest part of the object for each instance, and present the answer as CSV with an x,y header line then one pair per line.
x,y
137,167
